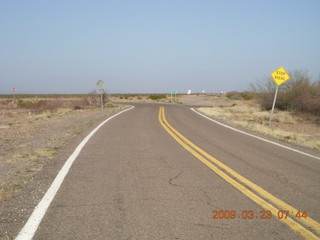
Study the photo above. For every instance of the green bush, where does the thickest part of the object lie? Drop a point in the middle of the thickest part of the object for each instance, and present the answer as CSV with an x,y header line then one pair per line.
x,y
110,105
157,97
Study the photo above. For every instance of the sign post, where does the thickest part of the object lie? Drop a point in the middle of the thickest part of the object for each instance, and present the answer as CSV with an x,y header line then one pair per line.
x,y
13,91
100,84
175,94
279,76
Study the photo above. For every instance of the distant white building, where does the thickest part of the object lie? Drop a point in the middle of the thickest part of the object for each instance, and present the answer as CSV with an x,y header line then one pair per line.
x,y
189,92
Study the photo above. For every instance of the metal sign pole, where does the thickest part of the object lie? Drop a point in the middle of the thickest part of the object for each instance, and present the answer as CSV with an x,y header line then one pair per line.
x,y
100,84
274,103
101,100
279,76
13,94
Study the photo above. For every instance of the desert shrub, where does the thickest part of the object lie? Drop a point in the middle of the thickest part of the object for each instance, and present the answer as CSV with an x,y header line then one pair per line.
x,y
81,103
298,94
240,95
110,105
36,104
233,95
266,101
157,97
247,95
94,99
40,105
52,105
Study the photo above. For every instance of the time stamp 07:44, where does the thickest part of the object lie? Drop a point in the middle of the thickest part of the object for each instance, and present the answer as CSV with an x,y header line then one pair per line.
x,y
263,214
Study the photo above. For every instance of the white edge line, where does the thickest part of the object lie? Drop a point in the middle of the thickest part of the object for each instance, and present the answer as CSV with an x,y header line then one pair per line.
x,y
254,136
31,226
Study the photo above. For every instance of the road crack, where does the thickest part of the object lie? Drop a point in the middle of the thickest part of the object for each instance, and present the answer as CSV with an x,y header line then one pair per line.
x,y
175,178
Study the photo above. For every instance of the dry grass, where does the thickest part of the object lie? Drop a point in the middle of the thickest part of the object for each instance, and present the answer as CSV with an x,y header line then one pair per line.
x,y
153,98
301,130
6,238
49,114
31,136
8,189
44,152
33,161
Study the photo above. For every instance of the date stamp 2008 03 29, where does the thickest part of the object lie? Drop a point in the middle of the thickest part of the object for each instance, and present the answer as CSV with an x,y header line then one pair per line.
x,y
263,214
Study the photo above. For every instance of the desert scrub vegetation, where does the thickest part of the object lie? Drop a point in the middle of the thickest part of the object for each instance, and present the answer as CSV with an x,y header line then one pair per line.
x,y
40,104
287,126
298,94
36,104
240,95
157,97
110,105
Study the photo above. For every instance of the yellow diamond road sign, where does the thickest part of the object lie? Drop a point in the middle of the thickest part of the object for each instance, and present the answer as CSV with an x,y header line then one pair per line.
x,y
280,76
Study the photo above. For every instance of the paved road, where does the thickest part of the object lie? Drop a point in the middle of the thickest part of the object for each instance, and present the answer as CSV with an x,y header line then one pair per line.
x,y
133,180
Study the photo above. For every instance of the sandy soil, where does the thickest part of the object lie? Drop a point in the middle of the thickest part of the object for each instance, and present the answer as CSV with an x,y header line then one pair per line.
x,y
29,140
297,128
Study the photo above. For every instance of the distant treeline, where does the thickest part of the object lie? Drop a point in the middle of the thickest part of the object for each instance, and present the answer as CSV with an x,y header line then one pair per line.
x,y
44,95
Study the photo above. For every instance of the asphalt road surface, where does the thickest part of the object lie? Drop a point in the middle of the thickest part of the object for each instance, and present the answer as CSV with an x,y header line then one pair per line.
x,y
137,179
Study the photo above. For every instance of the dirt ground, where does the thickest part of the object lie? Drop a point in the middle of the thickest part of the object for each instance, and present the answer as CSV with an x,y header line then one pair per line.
x,y
30,139
297,128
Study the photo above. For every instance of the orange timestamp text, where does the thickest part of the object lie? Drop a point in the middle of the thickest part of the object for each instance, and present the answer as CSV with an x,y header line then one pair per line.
x,y
263,214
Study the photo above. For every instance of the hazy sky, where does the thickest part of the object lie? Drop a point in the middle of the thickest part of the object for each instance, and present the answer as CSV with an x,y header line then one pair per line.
x,y
154,46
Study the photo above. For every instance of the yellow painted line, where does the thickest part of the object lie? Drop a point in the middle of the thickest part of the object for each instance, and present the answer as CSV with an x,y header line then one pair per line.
x,y
195,151
308,221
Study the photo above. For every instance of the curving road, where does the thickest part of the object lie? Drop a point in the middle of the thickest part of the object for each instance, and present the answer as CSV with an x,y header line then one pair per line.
x,y
134,180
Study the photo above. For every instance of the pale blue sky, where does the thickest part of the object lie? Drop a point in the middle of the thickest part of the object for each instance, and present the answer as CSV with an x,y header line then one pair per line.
x,y
154,46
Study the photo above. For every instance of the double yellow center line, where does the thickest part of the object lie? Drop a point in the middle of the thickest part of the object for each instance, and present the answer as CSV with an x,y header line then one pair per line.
x,y
248,188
